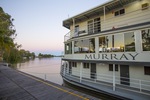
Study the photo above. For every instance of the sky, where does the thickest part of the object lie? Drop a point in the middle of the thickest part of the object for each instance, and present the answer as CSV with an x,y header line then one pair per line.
x,y
38,23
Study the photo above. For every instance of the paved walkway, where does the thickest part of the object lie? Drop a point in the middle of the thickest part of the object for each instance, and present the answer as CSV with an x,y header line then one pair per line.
x,y
15,85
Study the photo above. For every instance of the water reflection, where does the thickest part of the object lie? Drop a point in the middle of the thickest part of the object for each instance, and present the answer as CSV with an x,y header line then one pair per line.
x,y
45,68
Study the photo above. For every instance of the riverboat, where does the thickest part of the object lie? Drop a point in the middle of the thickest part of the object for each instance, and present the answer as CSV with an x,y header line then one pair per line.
x,y
108,49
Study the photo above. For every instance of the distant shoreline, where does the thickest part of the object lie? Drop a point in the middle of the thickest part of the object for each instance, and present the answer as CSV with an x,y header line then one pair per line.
x,y
49,57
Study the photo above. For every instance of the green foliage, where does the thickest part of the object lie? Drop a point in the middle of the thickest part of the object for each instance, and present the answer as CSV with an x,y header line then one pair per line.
x,y
9,50
7,31
45,55
26,54
13,56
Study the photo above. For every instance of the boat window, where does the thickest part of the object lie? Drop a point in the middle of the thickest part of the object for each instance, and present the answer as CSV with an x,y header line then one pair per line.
x,y
94,26
84,46
92,45
74,64
86,65
77,46
119,12
145,6
116,13
146,39
90,27
118,43
109,43
122,11
147,70
97,25
129,41
111,67
102,44
76,30
70,64
68,48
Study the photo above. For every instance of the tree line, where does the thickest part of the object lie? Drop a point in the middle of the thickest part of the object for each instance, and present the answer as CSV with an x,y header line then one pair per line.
x,y
45,55
9,50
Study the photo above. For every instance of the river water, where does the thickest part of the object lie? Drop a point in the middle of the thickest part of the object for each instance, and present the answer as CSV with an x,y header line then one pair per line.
x,y
45,68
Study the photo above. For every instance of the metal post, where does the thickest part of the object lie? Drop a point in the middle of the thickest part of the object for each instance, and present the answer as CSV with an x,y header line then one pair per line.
x,y
95,77
114,85
64,69
61,67
81,67
45,76
140,85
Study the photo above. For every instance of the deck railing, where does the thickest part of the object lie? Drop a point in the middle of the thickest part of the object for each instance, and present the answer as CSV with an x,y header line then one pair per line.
x,y
112,22
67,36
130,84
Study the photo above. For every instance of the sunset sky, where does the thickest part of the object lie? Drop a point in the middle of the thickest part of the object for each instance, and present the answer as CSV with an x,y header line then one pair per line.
x,y
39,22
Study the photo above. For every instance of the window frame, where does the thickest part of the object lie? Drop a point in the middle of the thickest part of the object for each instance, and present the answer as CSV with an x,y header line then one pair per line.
x,y
68,48
94,25
74,64
86,65
110,43
146,70
143,43
119,12
126,46
111,67
80,47
145,6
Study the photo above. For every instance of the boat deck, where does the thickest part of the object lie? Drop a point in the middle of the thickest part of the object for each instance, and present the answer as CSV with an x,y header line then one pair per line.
x,y
15,85
106,88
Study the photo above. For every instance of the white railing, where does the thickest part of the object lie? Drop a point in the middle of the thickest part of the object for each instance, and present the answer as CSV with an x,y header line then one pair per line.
x,y
114,22
131,84
67,36
52,77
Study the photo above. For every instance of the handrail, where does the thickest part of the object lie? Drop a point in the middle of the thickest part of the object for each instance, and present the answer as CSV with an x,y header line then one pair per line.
x,y
138,85
67,36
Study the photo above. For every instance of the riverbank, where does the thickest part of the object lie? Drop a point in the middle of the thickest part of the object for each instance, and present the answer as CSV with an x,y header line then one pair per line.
x,y
16,85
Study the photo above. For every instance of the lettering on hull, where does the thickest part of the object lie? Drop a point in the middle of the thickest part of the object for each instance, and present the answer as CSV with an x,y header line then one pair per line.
x,y
109,56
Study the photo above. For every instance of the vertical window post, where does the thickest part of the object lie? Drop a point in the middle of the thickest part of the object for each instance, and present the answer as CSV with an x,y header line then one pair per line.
x,y
81,67
114,84
104,13
73,26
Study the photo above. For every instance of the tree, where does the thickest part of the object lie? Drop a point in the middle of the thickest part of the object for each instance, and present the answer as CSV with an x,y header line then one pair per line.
x,y
7,33
9,50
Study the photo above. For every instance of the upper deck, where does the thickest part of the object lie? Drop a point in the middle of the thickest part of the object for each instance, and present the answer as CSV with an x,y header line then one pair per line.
x,y
113,15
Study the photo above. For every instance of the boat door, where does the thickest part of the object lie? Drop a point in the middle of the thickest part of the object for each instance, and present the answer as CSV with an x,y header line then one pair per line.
x,y
124,75
93,70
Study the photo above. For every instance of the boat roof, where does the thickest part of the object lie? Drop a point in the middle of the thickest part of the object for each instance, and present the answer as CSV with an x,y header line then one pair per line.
x,y
98,10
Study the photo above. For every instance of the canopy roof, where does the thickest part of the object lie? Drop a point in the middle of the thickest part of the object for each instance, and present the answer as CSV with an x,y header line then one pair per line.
x,y
96,11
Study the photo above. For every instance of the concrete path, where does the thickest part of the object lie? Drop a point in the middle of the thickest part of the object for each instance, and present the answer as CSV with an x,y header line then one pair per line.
x,y
15,85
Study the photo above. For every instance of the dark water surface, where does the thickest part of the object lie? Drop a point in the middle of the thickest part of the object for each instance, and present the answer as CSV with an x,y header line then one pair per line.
x,y
45,68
